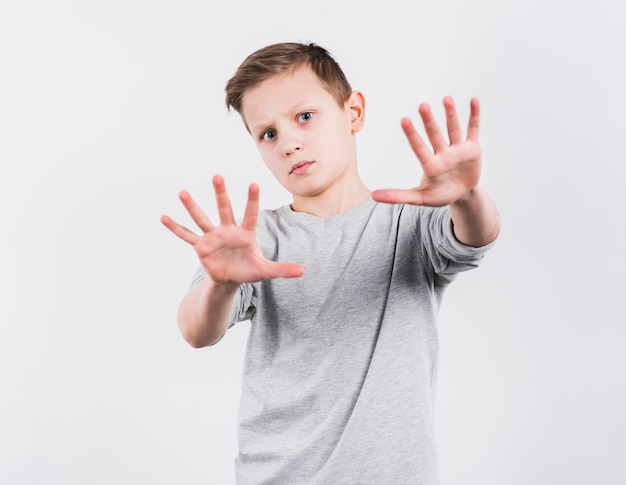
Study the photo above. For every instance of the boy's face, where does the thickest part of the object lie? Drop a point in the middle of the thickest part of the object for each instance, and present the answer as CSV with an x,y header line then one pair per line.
x,y
304,137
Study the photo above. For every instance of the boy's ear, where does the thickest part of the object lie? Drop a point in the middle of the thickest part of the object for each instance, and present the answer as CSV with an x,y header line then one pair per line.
x,y
356,107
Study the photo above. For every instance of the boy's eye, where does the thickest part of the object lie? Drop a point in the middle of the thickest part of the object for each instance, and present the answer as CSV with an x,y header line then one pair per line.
x,y
268,135
306,116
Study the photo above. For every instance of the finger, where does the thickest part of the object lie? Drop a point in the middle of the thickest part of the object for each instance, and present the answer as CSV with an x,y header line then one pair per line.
x,y
474,120
420,149
398,196
223,201
252,209
432,128
182,232
196,213
285,270
419,196
452,121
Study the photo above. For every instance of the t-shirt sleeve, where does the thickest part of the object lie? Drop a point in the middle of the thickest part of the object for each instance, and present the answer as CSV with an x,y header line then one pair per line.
x,y
242,307
447,255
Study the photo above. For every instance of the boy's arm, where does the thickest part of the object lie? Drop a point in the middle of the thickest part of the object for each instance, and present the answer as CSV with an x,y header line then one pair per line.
x,y
230,256
451,175
475,219
203,313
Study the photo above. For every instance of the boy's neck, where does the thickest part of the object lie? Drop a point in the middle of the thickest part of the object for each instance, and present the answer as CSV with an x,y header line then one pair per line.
x,y
331,203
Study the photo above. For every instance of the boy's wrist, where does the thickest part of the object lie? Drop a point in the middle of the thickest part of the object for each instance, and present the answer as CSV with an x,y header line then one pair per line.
x,y
225,287
219,289
467,198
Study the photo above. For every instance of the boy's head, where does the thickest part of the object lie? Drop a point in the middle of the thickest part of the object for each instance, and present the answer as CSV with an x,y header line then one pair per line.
x,y
279,58
302,115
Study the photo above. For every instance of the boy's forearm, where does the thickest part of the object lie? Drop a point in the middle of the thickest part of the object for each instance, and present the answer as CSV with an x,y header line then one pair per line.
x,y
204,311
475,218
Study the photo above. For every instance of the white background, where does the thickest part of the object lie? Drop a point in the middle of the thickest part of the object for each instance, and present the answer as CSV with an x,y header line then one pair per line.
x,y
108,109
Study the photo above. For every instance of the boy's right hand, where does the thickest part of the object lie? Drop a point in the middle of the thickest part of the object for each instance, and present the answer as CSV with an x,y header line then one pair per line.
x,y
229,253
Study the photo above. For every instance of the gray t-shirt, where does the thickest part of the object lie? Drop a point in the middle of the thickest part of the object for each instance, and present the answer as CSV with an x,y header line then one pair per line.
x,y
340,369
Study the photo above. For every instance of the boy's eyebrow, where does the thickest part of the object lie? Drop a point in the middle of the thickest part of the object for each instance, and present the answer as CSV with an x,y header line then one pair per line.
x,y
297,106
259,126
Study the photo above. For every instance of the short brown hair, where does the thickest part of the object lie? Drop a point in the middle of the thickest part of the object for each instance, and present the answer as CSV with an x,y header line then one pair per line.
x,y
278,58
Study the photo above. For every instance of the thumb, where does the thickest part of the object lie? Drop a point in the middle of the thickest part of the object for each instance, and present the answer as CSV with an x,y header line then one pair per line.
x,y
286,270
399,196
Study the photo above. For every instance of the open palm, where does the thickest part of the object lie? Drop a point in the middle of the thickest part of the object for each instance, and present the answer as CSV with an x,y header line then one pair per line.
x,y
229,253
451,169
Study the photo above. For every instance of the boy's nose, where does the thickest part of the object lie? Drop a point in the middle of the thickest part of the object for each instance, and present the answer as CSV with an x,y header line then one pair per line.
x,y
292,146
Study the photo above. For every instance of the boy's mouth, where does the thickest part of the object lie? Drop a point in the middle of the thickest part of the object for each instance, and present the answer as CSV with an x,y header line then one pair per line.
x,y
300,167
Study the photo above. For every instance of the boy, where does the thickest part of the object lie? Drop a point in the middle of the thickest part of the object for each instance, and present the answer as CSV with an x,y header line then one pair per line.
x,y
342,286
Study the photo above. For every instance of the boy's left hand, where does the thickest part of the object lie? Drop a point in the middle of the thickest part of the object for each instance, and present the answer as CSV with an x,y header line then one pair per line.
x,y
452,170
